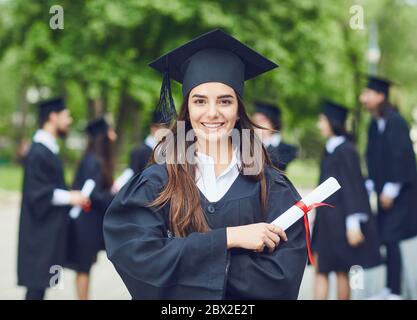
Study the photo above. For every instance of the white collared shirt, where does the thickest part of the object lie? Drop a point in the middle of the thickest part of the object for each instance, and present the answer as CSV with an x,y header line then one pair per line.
x,y
150,141
47,139
60,197
334,142
273,140
214,188
381,122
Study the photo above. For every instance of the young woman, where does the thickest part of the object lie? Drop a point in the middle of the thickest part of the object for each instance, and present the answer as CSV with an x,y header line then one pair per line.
x,y
200,228
86,231
345,235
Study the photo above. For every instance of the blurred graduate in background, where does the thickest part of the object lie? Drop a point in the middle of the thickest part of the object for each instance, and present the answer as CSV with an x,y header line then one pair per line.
x,y
269,116
45,203
392,175
86,231
347,234
141,154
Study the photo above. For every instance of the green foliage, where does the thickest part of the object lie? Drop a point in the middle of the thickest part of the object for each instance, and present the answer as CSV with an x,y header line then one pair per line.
x,y
101,56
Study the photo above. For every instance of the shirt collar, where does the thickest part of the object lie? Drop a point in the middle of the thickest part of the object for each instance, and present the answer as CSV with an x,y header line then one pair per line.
x,y
47,139
205,164
150,141
274,140
381,122
334,142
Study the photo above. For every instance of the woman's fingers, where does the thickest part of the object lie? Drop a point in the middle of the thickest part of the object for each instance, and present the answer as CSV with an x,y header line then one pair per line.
x,y
281,233
274,237
269,243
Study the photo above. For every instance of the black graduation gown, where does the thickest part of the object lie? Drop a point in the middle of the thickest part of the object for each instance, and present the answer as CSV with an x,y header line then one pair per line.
x,y
154,265
391,158
139,158
42,230
329,239
282,155
86,232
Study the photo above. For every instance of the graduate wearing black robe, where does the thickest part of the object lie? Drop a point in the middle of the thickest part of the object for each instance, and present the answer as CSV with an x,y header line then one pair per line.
x,y
390,157
155,265
139,158
42,231
140,155
329,238
282,155
86,231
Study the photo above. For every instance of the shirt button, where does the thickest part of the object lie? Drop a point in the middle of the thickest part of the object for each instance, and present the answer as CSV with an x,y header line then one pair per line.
x,y
211,209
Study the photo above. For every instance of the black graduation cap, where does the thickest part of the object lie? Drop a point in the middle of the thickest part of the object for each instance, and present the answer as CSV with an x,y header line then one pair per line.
x,y
334,111
379,84
212,57
273,112
97,127
52,105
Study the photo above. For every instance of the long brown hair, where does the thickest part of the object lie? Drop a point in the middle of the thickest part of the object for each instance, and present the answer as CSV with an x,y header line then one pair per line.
x,y
181,192
101,146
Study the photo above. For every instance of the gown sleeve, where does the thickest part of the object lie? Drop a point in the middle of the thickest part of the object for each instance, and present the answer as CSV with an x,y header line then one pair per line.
x,y
100,197
274,275
152,264
40,183
353,192
399,151
134,159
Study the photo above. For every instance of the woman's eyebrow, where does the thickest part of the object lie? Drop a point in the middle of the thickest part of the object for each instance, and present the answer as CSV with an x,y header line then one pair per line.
x,y
198,96
225,96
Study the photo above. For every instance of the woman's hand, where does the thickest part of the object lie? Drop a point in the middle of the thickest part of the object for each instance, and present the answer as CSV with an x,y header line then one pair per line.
x,y
386,202
255,237
355,237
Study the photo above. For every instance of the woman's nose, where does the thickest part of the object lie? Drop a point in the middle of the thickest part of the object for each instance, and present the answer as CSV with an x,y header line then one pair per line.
x,y
213,111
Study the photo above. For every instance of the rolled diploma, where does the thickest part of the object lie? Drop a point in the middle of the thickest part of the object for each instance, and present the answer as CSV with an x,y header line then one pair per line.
x,y
123,178
321,193
86,191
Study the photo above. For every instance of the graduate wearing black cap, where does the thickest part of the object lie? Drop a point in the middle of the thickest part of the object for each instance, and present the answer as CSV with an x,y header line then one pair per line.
x,y
346,235
392,175
86,232
198,229
141,154
269,116
45,203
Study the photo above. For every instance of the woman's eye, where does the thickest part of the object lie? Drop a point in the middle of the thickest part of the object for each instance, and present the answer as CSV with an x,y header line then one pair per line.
x,y
199,101
225,102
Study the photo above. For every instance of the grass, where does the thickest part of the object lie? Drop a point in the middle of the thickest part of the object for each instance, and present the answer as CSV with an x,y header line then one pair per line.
x,y
303,173
11,177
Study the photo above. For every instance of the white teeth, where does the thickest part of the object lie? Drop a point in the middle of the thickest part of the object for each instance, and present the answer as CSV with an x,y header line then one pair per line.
x,y
212,125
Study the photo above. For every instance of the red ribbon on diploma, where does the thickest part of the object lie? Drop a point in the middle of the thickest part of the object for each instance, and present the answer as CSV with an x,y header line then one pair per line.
x,y
87,207
306,209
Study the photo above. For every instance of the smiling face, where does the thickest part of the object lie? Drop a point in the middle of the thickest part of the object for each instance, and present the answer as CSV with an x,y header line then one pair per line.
x,y
213,111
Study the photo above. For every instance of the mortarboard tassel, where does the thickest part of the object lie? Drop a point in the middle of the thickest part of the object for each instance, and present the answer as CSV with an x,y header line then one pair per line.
x,y
166,105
